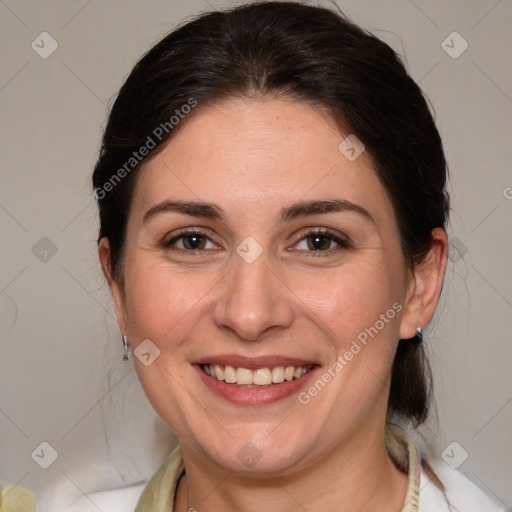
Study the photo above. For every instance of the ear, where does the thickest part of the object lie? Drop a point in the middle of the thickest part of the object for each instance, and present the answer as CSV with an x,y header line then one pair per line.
x,y
116,289
425,286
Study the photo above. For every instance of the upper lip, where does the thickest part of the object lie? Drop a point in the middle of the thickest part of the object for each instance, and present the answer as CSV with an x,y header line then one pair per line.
x,y
255,362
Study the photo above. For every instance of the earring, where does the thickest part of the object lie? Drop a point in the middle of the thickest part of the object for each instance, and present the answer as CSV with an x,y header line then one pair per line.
x,y
418,338
127,349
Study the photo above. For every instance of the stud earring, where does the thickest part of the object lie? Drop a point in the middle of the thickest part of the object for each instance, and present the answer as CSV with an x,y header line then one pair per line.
x,y
418,338
127,349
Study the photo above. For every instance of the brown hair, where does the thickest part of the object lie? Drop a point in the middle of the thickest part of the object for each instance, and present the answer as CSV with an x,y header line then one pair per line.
x,y
312,54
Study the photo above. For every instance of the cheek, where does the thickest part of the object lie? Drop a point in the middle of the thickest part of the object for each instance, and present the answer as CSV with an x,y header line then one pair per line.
x,y
350,299
162,300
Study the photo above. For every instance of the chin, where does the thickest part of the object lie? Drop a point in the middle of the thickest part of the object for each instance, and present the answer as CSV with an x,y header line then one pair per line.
x,y
257,453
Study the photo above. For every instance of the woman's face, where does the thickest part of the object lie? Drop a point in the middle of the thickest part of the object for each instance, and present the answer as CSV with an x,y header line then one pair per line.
x,y
225,264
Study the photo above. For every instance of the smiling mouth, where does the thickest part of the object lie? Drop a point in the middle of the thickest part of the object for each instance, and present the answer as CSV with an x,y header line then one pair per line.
x,y
262,377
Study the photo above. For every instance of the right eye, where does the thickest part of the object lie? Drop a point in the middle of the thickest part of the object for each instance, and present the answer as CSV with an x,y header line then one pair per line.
x,y
191,240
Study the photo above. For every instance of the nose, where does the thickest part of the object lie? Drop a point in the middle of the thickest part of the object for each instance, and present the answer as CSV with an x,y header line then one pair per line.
x,y
254,300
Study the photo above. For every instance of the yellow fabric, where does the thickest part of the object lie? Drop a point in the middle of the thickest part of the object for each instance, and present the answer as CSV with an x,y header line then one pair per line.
x,y
159,493
17,499
403,452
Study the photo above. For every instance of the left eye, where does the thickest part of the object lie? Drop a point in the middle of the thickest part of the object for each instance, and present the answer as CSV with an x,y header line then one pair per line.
x,y
320,242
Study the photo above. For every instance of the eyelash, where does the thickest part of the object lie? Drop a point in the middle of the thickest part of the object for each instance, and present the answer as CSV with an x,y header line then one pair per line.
x,y
343,243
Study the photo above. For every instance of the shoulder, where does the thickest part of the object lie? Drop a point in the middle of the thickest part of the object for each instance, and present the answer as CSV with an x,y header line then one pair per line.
x,y
114,500
463,495
157,494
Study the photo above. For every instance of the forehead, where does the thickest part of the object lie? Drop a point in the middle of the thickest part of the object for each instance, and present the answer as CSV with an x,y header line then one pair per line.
x,y
259,154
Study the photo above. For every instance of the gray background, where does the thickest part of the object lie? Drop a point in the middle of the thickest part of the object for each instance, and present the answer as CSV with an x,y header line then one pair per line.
x,y
62,380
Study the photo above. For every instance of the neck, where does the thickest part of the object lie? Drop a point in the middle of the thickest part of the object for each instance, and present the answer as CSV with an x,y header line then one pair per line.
x,y
355,475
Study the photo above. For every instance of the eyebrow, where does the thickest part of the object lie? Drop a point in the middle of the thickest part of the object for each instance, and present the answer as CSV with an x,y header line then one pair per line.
x,y
295,211
192,208
306,208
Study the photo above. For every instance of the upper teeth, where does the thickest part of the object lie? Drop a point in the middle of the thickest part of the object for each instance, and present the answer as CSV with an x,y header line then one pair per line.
x,y
259,377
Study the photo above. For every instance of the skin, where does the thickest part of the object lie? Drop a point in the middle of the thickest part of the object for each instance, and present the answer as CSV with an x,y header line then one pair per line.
x,y
252,158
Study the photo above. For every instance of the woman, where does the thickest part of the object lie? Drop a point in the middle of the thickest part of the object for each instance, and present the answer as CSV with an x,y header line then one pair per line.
x,y
272,196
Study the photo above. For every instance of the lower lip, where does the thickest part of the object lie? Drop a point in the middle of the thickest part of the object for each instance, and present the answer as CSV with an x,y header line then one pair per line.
x,y
258,395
